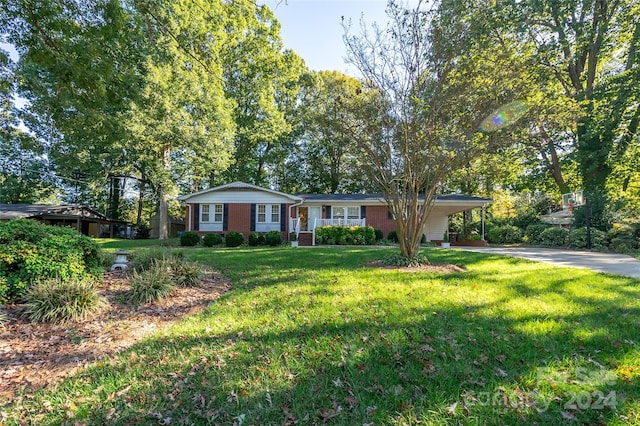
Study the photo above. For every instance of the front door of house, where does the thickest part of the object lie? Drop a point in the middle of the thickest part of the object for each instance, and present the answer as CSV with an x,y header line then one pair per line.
x,y
314,213
303,214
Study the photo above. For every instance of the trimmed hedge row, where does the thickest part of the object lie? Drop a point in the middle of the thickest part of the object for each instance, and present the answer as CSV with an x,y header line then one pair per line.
x,y
345,235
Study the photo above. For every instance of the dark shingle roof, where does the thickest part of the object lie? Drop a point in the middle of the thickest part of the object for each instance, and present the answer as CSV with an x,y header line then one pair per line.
x,y
380,197
16,211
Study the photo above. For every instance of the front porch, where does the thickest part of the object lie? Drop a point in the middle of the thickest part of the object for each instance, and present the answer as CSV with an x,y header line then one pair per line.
x,y
305,230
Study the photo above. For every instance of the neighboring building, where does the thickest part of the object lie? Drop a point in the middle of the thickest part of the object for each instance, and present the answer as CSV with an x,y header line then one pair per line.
x,y
82,218
176,226
247,208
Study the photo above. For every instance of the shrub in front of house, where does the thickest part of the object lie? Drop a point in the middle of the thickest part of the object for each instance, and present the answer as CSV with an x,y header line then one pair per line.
x,y
345,235
578,238
189,239
234,239
379,234
31,252
273,238
393,236
554,236
256,239
533,233
59,302
505,234
211,240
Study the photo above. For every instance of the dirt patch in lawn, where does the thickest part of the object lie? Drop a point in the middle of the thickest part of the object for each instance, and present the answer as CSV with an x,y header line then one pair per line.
x,y
33,355
440,268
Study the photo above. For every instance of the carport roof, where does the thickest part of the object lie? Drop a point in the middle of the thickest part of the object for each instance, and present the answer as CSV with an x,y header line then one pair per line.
x,y
17,211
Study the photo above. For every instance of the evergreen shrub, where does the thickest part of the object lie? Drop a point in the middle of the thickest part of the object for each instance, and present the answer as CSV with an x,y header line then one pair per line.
x,y
189,239
211,240
234,239
273,238
31,252
554,236
345,235
256,239
533,233
379,234
505,234
578,238
392,236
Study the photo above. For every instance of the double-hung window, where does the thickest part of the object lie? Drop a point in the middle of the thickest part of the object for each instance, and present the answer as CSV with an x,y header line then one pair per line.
x,y
268,213
206,211
218,213
351,212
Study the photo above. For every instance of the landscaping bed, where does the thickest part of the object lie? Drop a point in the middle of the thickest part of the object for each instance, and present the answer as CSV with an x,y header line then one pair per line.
x,y
33,355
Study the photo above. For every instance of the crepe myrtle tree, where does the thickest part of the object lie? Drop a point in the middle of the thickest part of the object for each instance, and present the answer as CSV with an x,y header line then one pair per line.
x,y
418,113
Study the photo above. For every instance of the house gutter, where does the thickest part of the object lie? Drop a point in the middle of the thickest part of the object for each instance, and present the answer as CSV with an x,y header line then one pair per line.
x,y
188,216
292,206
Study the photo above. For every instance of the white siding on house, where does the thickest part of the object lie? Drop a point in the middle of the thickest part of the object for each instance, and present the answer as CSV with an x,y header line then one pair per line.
x,y
437,224
266,227
239,197
210,227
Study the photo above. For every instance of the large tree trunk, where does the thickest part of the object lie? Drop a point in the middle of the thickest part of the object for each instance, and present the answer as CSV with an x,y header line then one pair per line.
x,y
163,213
141,188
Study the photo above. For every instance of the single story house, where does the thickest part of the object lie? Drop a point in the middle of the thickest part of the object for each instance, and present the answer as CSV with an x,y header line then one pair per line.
x,y
82,218
246,208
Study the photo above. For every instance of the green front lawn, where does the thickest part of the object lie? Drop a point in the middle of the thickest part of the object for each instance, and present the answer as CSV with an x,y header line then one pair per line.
x,y
119,243
312,336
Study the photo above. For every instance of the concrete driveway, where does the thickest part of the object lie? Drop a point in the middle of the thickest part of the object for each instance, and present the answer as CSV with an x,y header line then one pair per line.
x,y
620,264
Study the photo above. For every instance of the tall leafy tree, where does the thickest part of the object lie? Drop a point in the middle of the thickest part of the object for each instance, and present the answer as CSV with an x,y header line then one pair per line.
x,y
264,79
327,155
587,52
23,174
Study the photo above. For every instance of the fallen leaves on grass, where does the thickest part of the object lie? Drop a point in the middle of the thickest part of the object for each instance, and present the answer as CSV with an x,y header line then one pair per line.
x,y
33,355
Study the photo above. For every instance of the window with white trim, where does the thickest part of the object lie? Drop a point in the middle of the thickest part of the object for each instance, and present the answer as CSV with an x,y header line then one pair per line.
x,y
219,213
268,211
275,213
205,213
350,212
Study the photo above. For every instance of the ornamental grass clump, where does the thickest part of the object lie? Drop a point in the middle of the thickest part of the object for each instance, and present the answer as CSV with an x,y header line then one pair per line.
x,y
186,274
3,317
151,284
59,302
145,259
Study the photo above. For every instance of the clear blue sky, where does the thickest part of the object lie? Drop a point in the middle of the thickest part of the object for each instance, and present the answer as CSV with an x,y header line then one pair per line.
x,y
313,28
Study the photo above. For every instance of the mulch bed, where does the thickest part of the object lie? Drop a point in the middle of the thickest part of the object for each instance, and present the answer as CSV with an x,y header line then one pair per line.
x,y
440,268
33,355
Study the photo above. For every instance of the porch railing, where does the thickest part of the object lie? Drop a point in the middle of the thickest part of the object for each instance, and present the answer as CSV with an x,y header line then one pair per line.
x,y
294,225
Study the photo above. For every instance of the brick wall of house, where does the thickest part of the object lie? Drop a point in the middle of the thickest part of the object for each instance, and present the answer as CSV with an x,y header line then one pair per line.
x,y
378,217
240,219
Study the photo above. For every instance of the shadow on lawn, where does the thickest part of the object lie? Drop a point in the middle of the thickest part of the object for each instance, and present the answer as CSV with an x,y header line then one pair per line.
x,y
459,363
456,365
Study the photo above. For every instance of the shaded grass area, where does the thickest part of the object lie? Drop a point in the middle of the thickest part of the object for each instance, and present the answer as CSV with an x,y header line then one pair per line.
x,y
315,337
